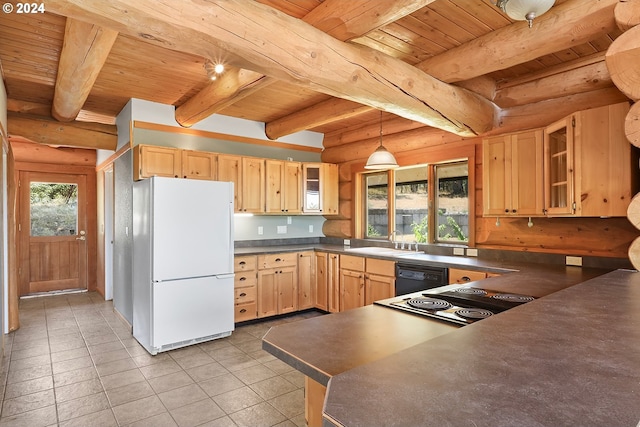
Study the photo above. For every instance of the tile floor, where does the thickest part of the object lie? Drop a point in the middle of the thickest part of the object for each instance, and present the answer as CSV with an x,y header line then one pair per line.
x,y
74,362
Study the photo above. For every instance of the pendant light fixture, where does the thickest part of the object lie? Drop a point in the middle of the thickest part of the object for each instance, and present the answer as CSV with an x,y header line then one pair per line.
x,y
381,158
524,10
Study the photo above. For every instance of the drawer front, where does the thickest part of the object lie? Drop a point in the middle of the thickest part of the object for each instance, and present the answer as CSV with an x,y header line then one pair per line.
x,y
288,259
465,276
245,278
350,262
381,266
245,263
245,312
245,295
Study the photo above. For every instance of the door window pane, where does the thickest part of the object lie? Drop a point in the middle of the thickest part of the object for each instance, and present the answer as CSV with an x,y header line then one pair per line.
x,y
54,209
452,202
376,205
411,197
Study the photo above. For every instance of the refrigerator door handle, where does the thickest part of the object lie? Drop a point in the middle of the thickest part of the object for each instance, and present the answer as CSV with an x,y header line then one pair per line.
x,y
225,276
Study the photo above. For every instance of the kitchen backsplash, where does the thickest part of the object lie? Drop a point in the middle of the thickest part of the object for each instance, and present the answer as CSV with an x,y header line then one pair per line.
x,y
267,227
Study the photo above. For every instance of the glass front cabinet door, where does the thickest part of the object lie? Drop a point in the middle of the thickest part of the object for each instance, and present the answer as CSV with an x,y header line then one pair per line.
x,y
559,168
312,201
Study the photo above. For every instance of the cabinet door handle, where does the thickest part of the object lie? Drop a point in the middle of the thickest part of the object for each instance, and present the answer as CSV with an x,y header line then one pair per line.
x,y
244,310
243,294
242,279
465,278
242,262
278,260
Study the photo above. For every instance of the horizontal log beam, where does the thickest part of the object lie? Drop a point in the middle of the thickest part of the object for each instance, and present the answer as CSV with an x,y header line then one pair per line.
x,y
51,132
566,25
324,65
84,52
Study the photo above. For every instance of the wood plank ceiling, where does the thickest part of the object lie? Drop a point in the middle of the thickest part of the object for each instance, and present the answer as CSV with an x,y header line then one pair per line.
x,y
462,43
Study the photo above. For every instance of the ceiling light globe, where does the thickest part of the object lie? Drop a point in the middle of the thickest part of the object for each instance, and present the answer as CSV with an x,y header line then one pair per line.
x,y
525,10
219,68
381,159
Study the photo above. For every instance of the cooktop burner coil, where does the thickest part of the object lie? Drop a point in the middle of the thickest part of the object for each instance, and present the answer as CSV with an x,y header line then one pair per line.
x,y
428,303
473,313
513,297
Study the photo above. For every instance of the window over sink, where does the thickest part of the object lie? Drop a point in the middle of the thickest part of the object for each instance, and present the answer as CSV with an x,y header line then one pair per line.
x,y
400,204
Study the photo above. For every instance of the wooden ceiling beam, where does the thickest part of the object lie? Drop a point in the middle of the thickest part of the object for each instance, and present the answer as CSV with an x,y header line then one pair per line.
x,y
324,112
340,19
312,59
84,52
579,21
568,24
73,134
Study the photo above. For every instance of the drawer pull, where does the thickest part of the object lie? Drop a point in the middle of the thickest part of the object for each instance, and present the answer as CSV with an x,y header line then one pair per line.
x,y
242,262
244,310
242,279
243,294
465,278
278,260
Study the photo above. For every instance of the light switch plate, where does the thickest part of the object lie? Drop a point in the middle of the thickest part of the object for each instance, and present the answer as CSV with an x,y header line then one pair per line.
x,y
260,230
310,228
472,252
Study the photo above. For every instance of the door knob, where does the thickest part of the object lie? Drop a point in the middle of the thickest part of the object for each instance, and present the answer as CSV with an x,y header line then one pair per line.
x,y
82,236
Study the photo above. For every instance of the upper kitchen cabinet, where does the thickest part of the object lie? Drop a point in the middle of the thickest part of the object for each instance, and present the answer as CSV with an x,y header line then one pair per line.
x,y
149,160
320,188
283,186
513,174
247,174
587,164
199,165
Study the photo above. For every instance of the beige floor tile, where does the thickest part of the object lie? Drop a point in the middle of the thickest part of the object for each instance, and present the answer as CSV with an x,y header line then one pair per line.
x,y
138,410
121,379
71,364
67,345
75,353
19,375
290,404
160,420
208,371
220,422
82,406
129,393
27,387
160,369
28,402
295,377
182,396
272,387
104,418
258,415
72,377
115,366
238,363
110,356
255,373
194,360
105,347
235,400
197,413
221,384
142,358
225,352
171,381
36,418
36,350
30,362
79,389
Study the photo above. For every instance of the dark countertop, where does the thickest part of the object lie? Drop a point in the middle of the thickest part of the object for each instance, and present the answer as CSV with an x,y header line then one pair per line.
x,y
571,358
382,363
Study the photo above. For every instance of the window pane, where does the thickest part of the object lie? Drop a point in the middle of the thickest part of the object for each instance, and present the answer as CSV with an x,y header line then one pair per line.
x,y
54,209
411,204
377,205
453,202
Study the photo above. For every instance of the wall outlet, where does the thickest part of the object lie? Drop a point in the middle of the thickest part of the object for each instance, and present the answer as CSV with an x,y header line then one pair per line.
x,y
289,220
472,252
282,229
347,242
458,251
310,228
574,260
260,230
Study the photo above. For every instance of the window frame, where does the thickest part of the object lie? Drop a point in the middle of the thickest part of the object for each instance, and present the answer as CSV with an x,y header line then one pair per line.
x,y
430,156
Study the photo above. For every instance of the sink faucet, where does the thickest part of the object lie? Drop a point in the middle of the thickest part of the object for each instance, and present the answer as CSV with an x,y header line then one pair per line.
x,y
402,237
392,238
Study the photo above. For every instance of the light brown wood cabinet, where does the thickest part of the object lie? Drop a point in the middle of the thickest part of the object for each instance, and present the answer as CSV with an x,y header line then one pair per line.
x,y
460,276
247,175
513,174
588,167
320,188
365,280
283,186
277,284
150,160
245,288
321,289
306,279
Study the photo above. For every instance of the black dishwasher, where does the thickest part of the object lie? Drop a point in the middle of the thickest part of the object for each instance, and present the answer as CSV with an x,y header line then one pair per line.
x,y
414,278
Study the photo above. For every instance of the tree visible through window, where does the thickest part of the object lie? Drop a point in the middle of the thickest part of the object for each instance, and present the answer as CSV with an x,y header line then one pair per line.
x,y
54,209
453,202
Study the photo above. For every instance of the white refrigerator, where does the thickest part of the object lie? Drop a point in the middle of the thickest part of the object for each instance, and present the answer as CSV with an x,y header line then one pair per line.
x,y
182,262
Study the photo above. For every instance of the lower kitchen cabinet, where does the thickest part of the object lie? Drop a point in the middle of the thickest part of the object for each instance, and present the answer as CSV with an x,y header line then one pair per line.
x,y
465,276
365,280
321,289
277,284
380,279
306,280
245,288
